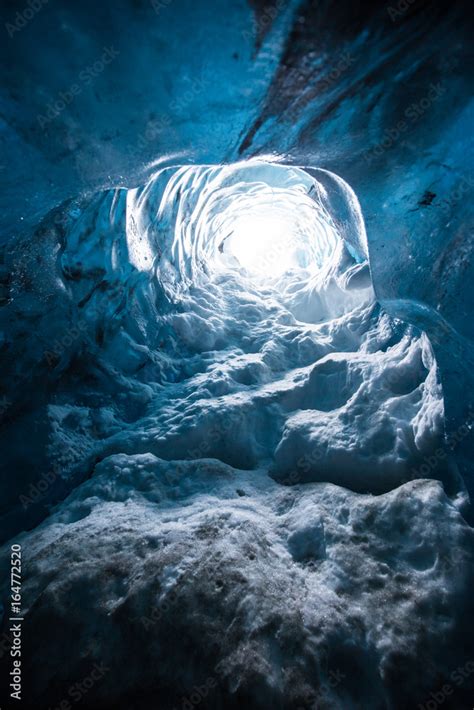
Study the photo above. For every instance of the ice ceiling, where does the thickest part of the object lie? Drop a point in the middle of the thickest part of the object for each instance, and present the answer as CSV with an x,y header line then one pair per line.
x,y
237,352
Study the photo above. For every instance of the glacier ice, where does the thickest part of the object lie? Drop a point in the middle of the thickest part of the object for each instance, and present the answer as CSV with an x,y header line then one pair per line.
x,y
232,490
171,574
237,446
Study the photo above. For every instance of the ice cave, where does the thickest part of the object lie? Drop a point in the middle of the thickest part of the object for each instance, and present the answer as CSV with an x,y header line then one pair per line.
x,y
237,355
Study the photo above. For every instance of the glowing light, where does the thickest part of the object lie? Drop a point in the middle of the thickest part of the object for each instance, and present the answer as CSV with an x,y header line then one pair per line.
x,y
263,244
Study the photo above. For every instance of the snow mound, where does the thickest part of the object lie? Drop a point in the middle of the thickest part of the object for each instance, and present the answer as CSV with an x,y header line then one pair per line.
x,y
180,578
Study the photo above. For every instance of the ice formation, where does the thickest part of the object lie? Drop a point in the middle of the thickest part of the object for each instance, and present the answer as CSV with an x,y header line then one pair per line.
x,y
245,450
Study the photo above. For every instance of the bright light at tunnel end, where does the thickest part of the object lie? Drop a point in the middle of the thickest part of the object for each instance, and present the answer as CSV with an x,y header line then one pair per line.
x,y
269,222
264,245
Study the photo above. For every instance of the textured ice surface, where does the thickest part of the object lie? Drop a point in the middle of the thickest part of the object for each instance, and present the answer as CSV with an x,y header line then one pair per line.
x,y
172,574
311,594
184,393
139,329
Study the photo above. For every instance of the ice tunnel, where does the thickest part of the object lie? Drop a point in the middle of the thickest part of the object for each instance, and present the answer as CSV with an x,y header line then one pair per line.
x,y
237,400
277,225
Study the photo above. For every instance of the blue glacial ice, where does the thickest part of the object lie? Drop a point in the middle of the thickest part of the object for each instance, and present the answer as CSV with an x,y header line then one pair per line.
x,y
255,446
237,398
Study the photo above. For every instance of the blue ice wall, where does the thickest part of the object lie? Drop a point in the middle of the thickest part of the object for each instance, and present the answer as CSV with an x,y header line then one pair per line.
x,y
221,472
100,96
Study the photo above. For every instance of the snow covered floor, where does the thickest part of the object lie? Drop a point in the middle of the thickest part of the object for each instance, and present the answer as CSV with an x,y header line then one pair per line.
x,y
262,502
191,576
